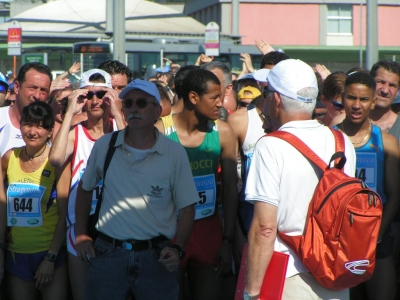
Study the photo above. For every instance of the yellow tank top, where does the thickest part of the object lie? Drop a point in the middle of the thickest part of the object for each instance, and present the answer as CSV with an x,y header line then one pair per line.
x,y
32,209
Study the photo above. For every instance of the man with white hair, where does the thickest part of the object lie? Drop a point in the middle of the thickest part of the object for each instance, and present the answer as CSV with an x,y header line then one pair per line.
x,y
281,181
98,99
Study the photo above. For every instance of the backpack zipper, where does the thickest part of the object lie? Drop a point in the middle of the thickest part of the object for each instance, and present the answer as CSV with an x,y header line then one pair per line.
x,y
334,190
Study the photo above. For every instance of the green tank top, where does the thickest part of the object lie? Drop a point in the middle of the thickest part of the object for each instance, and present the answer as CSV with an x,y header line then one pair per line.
x,y
204,161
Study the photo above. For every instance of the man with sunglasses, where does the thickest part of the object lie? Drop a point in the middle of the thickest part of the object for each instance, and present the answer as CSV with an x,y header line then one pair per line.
x,y
148,181
96,97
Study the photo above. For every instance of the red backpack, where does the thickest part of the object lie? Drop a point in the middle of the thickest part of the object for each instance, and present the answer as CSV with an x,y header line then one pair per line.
x,y
340,235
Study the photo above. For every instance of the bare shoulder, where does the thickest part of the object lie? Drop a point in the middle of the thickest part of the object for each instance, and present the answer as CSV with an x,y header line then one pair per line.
x,y
226,136
390,143
237,117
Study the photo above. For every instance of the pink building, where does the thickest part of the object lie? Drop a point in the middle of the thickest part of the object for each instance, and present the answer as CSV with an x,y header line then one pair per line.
x,y
316,31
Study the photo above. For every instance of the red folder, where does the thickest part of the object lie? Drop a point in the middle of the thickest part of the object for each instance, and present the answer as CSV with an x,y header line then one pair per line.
x,y
274,279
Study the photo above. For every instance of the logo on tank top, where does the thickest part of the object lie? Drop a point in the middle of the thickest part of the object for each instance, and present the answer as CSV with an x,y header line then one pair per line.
x,y
46,173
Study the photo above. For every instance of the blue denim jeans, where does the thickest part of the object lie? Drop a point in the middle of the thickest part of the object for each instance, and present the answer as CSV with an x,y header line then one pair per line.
x,y
116,272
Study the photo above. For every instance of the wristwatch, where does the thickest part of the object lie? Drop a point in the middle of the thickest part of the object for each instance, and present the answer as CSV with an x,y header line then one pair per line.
x,y
51,257
248,296
181,252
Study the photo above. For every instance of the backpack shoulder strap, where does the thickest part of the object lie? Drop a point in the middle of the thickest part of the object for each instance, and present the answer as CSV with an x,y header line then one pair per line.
x,y
110,153
339,140
300,146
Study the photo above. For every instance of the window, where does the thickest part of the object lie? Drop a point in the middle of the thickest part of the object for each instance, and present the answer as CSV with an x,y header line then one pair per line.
x,y
340,19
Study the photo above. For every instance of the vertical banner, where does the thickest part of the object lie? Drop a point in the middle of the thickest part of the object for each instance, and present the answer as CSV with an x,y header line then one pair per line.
x,y
212,39
14,38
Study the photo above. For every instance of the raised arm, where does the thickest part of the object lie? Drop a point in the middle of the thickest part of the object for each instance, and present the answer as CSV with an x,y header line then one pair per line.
x,y
63,145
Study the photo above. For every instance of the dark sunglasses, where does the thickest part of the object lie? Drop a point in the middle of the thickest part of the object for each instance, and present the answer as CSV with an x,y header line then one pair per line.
x,y
141,103
8,102
243,103
99,94
336,104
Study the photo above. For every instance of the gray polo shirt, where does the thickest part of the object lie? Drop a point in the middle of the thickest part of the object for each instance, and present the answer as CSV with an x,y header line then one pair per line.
x,y
141,197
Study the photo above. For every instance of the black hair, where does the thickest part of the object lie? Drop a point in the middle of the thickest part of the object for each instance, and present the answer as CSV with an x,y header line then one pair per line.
x,y
180,76
390,66
361,78
113,67
39,67
97,78
197,81
273,58
38,113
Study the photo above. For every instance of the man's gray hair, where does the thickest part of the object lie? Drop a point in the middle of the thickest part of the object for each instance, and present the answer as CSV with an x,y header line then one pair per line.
x,y
294,106
223,67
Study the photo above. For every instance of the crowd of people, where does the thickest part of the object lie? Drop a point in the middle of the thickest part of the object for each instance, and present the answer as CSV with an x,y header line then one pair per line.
x,y
133,188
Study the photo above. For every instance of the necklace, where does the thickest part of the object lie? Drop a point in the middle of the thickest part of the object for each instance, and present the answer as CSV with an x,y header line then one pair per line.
x,y
32,157
368,133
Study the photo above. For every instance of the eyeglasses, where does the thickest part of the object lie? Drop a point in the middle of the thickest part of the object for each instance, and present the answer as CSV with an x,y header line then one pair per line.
x,y
141,103
99,94
243,103
336,104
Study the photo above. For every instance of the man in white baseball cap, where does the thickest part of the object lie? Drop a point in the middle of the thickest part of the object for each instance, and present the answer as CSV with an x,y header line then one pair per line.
x,y
281,181
96,97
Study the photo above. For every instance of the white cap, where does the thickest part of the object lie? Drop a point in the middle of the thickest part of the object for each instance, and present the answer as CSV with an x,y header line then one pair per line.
x,y
261,75
289,76
84,81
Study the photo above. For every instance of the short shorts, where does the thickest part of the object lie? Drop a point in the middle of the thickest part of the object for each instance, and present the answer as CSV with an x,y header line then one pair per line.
x,y
25,265
203,244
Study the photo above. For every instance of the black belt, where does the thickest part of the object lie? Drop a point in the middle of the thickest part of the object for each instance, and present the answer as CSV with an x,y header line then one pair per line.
x,y
133,245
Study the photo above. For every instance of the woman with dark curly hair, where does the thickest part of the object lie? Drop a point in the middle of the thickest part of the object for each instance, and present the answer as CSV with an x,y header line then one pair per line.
x,y
37,195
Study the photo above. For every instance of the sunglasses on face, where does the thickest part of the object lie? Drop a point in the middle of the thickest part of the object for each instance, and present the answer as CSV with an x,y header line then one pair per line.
x,y
243,103
337,105
8,102
140,103
99,94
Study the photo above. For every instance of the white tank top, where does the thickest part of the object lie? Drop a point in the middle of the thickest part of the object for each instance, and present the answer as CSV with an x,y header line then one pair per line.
x,y
10,137
82,148
253,134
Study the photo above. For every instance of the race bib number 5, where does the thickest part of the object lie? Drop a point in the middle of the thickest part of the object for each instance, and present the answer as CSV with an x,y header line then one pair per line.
x,y
206,189
24,204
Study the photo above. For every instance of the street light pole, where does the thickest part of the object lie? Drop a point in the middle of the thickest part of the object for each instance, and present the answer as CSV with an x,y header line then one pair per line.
x,y
372,33
119,30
